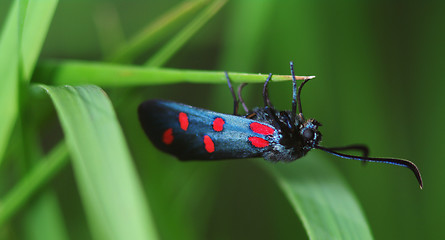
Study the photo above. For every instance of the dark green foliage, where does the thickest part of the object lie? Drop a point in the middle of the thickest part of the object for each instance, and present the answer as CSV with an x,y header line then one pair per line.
x,y
379,82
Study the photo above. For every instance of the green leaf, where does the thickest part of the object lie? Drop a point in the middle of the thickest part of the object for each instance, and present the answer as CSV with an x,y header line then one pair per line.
x,y
113,75
321,198
108,183
32,182
44,220
156,31
35,27
183,36
21,41
9,71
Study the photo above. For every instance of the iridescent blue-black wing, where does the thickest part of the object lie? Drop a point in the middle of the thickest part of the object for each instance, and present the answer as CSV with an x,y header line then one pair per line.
x,y
191,133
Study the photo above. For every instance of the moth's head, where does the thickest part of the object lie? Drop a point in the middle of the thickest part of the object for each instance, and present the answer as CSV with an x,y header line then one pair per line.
x,y
310,134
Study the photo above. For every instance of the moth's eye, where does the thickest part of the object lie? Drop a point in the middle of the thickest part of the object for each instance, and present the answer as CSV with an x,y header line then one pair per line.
x,y
308,134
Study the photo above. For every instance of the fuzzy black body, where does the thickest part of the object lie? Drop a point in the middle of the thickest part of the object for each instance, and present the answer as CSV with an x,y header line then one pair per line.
x,y
291,143
253,135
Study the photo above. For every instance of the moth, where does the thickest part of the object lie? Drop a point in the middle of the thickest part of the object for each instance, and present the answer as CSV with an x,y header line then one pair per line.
x,y
191,133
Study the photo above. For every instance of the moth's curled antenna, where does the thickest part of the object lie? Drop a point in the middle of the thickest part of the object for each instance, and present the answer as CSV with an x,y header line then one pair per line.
x,y
265,92
300,109
235,101
296,92
393,161
240,97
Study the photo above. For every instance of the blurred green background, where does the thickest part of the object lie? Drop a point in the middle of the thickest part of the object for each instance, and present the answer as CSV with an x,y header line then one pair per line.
x,y
379,81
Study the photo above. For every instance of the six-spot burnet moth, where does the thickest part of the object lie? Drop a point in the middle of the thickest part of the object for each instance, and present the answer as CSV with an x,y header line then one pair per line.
x,y
192,133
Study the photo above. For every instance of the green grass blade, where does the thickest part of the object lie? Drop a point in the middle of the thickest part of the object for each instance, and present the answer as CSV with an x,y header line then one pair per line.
x,y
36,24
43,171
161,57
9,71
109,27
21,40
112,75
323,201
108,183
154,32
44,220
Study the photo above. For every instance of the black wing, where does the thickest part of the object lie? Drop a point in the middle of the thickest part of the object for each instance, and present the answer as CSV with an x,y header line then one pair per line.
x,y
191,133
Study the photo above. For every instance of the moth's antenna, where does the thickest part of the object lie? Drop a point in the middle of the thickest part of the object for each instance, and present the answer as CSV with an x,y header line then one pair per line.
x,y
235,102
240,97
268,106
394,161
296,94
265,92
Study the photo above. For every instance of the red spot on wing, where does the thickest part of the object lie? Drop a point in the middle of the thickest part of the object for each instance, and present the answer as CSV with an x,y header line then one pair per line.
x,y
208,144
258,142
183,121
261,128
167,137
218,124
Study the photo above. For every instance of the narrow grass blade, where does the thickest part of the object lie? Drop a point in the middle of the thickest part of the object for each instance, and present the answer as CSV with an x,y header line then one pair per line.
x,y
43,171
161,57
112,75
21,40
322,200
109,27
44,219
154,32
246,36
9,71
108,183
36,24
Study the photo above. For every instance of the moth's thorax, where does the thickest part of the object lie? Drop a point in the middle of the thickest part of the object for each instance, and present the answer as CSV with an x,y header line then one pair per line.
x,y
293,138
